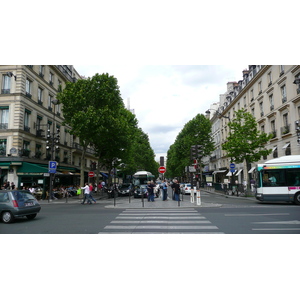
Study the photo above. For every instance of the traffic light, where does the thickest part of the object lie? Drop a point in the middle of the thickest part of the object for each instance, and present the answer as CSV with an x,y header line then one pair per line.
x,y
298,131
196,152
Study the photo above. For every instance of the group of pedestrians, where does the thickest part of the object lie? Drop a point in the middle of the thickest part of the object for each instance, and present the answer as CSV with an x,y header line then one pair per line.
x,y
164,186
88,189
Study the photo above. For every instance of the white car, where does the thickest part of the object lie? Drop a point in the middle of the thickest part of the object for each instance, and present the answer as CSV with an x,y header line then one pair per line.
x,y
186,188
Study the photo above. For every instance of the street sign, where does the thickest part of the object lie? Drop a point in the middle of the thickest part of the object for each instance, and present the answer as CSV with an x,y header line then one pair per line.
x,y
52,166
232,168
91,174
162,170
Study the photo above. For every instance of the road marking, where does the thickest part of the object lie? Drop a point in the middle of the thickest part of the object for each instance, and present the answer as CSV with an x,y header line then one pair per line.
x,y
250,215
275,229
159,227
159,217
160,221
279,222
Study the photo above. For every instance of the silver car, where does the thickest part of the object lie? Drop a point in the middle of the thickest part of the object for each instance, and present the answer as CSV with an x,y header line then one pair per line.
x,y
15,203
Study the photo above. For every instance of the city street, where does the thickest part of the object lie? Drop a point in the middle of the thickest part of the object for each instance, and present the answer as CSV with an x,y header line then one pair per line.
x,y
217,214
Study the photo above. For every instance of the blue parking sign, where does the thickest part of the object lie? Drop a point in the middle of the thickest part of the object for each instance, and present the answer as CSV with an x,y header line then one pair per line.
x,y
52,166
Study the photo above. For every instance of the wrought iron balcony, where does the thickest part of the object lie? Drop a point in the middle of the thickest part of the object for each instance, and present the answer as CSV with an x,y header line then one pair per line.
x,y
3,125
5,91
285,129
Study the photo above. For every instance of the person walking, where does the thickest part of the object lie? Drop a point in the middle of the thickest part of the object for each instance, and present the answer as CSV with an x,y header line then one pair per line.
x,y
150,189
91,192
165,190
176,189
86,189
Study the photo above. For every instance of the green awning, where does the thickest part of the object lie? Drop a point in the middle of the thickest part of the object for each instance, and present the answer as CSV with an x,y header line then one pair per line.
x,y
31,169
4,165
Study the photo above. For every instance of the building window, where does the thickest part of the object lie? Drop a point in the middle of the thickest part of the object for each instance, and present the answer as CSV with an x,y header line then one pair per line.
x,y
271,102
6,84
281,70
2,147
41,72
51,78
261,107
27,120
259,88
40,95
269,78
251,95
283,93
38,151
4,117
28,87
286,127
50,97
273,129
253,112
26,150
59,87
262,128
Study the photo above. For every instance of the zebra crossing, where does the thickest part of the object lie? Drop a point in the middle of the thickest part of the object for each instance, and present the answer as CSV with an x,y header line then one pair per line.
x,y
164,221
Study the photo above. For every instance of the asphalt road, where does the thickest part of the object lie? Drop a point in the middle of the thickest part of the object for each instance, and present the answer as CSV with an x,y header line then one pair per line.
x,y
217,215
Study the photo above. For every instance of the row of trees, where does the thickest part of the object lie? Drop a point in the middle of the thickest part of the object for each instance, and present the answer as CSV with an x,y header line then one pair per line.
x,y
95,111
245,143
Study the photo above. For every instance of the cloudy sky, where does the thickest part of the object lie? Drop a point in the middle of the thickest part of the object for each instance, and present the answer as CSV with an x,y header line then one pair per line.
x,y
166,97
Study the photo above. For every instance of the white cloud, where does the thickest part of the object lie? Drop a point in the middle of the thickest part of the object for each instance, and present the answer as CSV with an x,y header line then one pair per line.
x,y
166,97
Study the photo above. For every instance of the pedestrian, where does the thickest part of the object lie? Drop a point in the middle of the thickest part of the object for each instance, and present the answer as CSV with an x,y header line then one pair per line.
x,y
91,193
165,189
150,189
176,189
86,189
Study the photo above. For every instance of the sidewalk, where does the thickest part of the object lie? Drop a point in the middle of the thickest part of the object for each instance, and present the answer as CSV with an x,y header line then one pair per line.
x,y
125,202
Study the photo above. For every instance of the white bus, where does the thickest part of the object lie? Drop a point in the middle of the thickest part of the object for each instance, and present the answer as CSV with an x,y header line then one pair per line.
x,y
278,179
142,177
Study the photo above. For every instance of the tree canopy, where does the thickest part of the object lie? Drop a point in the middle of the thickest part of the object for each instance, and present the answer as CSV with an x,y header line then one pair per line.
x,y
196,132
95,111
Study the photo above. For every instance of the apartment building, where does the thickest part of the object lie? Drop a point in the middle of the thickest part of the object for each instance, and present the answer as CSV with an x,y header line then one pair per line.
x,y
31,125
271,93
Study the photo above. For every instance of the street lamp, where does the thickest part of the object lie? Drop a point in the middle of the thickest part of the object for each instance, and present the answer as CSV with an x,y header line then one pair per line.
x,y
219,114
10,74
52,140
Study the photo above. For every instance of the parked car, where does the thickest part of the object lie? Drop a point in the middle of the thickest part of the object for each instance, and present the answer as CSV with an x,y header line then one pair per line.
x,y
15,204
141,190
126,189
186,188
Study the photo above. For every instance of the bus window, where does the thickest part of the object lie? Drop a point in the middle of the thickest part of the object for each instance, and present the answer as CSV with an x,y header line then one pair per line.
x,y
273,178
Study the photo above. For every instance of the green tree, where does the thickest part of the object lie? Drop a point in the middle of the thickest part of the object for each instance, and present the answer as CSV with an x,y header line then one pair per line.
x,y
245,143
95,111
196,132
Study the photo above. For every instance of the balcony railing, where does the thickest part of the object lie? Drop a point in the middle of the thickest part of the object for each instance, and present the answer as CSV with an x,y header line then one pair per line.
x,y
274,134
285,129
5,91
3,125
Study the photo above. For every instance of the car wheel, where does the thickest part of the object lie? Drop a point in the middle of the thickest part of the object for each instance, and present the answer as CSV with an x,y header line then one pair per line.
x,y
31,217
7,217
297,199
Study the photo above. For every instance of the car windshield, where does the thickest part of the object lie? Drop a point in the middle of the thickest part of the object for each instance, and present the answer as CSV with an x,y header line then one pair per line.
x,y
20,195
124,186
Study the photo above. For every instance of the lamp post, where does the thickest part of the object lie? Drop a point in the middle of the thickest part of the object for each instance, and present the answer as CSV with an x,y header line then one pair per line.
x,y
52,140
226,117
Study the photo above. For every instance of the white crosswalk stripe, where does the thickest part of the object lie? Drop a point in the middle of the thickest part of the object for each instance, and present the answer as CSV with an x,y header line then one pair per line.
x,y
170,221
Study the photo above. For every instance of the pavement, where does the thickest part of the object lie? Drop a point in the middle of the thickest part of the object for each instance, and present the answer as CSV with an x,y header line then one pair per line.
x,y
126,202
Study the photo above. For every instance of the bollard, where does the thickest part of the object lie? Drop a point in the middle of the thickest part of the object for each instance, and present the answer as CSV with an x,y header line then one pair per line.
x,y
192,196
142,199
198,197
